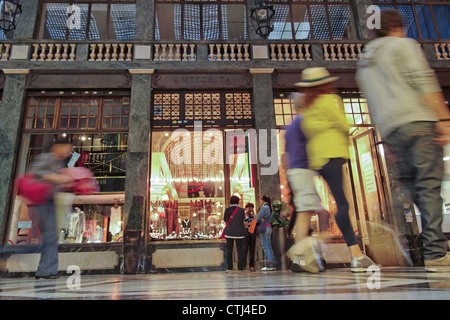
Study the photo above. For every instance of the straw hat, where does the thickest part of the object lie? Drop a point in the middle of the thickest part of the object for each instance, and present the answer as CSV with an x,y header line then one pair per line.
x,y
312,77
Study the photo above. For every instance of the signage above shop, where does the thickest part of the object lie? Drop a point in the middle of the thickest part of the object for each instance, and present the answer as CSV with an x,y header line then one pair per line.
x,y
201,81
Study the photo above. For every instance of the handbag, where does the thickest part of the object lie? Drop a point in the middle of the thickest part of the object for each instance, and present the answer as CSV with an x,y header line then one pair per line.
x,y
223,232
261,228
252,227
34,191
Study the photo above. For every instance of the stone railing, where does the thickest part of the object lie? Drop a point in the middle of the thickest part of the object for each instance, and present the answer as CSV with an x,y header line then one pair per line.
x,y
53,52
442,51
228,52
292,51
199,51
342,51
5,51
174,52
110,52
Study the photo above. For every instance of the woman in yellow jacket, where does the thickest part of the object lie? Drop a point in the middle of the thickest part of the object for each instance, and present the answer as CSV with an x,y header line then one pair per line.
x,y
326,129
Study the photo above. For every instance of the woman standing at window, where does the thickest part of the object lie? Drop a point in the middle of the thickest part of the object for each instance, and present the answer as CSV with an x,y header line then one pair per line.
x,y
265,220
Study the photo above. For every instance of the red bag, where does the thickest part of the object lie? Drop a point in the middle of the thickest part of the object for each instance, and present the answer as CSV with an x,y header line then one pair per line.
x,y
34,191
83,180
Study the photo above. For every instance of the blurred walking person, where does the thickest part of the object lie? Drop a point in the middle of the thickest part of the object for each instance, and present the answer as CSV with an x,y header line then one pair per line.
x,y
327,133
408,108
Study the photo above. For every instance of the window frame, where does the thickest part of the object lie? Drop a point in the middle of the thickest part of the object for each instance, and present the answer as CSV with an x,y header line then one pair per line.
x,y
413,4
56,117
42,12
326,5
219,3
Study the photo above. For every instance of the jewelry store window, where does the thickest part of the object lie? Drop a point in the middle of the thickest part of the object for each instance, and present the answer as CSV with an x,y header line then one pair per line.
x,y
196,165
96,123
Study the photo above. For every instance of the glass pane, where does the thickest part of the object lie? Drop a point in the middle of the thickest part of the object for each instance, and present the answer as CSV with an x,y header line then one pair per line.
x,y
442,14
234,23
54,21
409,21
122,21
170,15
282,27
302,27
210,16
425,22
191,22
342,26
97,25
319,23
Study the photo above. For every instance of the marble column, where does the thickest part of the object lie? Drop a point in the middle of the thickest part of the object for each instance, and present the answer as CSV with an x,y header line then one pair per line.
x,y
136,183
145,15
11,120
269,177
27,22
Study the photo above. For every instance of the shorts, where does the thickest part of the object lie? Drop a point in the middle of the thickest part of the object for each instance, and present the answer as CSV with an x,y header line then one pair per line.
x,y
305,196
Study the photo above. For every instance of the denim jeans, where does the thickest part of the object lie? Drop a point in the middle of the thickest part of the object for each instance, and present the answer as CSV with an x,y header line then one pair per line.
x,y
420,171
266,243
47,225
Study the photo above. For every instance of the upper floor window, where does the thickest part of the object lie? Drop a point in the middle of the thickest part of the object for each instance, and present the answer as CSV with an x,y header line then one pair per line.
x,y
313,20
94,21
424,19
200,20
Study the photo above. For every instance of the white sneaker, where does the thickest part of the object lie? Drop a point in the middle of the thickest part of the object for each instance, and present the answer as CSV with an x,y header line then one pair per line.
x,y
268,269
438,265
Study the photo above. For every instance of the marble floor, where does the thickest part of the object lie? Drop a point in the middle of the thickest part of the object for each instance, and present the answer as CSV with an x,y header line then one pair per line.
x,y
335,284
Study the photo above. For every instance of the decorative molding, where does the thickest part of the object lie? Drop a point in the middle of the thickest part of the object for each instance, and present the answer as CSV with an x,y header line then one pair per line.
x,y
16,71
261,70
141,71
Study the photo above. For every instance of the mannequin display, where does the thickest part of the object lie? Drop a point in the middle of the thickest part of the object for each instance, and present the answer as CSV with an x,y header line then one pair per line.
x,y
115,224
90,230
76,226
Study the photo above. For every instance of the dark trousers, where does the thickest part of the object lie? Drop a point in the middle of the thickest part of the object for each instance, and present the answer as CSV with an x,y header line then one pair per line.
x,y
332,173
249,248
240,251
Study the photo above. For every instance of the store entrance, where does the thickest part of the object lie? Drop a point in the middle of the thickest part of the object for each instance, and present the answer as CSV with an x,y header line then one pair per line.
x,y
193,175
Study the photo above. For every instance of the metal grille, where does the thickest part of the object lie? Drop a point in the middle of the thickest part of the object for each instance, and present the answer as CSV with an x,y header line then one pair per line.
x,y
213,108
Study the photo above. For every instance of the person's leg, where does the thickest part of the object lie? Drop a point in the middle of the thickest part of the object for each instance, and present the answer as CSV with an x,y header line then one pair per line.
x,y
332,173
421,169
47,224
230,253
252,245
245,248
240,252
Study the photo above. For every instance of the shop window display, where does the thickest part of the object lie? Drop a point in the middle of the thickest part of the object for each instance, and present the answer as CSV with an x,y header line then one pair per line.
x,y
81,218
191,180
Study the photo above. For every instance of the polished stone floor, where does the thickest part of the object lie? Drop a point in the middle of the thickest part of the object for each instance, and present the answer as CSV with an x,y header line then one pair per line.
x,y
335,284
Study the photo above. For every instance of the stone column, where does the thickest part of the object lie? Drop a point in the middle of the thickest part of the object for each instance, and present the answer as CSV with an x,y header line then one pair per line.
x,y
137,171
11,122
145,17
269,177
28,20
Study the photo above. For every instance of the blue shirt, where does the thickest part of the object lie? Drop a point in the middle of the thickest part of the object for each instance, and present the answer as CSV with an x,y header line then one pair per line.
x,y
296,145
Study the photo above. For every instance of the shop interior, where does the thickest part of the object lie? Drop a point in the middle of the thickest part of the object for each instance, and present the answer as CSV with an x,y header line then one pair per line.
x,y
193,175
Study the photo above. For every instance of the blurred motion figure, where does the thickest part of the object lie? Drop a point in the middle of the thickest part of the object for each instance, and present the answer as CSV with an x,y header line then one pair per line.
x,y
408,108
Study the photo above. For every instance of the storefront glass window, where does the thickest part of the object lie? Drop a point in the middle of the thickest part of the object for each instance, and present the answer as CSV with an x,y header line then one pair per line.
x,y
193,175
81,218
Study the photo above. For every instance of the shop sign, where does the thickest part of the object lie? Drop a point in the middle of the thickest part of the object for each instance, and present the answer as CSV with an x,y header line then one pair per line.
x,y
201,81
